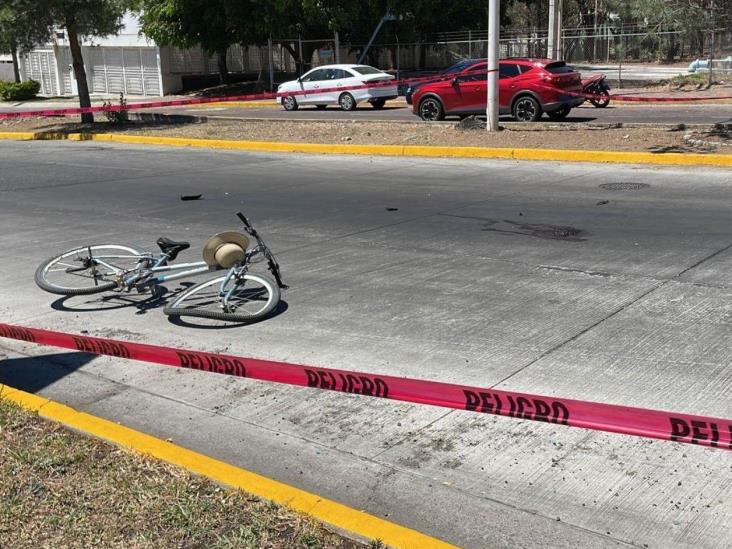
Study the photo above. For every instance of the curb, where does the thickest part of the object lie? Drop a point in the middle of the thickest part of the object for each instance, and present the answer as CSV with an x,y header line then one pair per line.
x,y
547,155
23,136
357,523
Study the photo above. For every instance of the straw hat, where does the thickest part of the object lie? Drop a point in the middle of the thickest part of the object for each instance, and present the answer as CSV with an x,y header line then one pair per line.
x,y
225,249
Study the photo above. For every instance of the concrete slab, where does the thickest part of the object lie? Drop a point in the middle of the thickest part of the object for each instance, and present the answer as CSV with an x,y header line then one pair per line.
x,y
471,279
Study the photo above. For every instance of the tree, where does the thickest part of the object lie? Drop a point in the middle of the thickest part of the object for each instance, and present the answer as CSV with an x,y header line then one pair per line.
x,y
25,22
214,25
83,18
21,27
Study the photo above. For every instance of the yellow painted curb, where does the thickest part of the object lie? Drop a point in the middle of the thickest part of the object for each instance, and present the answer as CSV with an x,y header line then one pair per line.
x,y
678,159
237,104
17,135
553,155
357,522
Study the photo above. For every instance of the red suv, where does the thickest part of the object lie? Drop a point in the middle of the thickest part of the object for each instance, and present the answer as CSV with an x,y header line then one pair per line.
x,y
527,88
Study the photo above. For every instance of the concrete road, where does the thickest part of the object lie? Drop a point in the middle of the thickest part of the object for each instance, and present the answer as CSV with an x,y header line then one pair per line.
x,y
636,114
437,269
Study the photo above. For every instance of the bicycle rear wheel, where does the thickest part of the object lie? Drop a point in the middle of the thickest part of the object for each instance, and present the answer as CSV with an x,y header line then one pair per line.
x,y
248,298
87,269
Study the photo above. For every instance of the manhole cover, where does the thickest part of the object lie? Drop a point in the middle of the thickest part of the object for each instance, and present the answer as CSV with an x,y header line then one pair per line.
x,y
624,186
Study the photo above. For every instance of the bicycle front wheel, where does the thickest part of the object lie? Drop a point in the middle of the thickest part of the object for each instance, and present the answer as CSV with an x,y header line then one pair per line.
x,y
87,269
249,298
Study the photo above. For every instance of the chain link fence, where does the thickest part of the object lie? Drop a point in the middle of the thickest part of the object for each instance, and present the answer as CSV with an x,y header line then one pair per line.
x,y
607,46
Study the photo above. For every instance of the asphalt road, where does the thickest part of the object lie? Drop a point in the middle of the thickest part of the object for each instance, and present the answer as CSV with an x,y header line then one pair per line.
x,y
437,269
654,114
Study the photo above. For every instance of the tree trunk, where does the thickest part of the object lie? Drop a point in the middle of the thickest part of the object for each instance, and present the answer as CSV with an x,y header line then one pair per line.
x,y
16,68
80,74
295,57
223,69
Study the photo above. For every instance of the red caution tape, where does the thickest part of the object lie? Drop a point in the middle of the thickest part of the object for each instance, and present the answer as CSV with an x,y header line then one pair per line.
x,y
692,429
200,100
370,85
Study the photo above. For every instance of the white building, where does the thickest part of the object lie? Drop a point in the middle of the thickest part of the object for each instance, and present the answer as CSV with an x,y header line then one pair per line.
x,y
131,64
6,67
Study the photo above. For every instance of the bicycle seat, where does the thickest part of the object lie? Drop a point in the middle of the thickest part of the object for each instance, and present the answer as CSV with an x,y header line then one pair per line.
x,y
172,247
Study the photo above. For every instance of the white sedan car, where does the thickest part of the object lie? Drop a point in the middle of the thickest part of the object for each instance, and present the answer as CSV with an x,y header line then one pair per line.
x,y
305,90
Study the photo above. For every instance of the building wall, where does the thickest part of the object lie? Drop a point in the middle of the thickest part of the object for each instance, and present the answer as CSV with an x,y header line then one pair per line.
x,y
6,68
109,70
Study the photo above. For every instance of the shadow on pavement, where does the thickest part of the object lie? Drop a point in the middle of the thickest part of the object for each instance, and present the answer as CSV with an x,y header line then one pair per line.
x,y
31,374
209,324
111,301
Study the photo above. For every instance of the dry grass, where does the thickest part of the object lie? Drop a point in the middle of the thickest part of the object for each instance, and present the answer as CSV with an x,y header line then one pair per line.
x,y
60,489
543,135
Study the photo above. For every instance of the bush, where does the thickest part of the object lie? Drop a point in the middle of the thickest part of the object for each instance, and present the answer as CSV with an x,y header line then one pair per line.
x,y
19,91
117,117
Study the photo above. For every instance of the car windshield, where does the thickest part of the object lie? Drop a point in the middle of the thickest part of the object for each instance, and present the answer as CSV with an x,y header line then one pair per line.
x,y
460,66
559,67
365,69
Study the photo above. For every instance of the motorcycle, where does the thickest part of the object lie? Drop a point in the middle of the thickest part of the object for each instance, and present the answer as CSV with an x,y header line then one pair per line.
x,y
598,87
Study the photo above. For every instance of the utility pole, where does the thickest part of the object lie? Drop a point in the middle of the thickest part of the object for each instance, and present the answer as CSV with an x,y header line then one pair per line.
x,y
491,109
554,42
551,38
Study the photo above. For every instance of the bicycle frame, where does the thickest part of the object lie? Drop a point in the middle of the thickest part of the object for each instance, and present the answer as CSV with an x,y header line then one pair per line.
x,y
180,270
149,268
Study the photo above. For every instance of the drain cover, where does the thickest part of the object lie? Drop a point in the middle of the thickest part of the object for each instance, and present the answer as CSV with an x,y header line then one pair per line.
x,y
624,186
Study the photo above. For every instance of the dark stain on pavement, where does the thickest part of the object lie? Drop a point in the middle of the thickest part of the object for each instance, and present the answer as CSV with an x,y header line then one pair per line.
x,y
537,230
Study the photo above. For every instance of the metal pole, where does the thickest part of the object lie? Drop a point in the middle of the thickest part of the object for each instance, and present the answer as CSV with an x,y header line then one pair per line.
x,y
470,45
558,33
337,41
491,110
711,47
594,38
399,56
271,63
551,39
620,60
301,69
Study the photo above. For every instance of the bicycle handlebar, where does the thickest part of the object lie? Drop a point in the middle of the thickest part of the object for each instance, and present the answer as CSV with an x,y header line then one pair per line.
x,y
272,262
243,219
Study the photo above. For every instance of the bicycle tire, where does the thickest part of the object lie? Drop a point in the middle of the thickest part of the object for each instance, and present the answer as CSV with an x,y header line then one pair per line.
x,y
199,290
43,269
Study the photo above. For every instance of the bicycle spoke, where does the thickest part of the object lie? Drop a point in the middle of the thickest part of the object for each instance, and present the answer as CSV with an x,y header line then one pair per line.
x,y
87,269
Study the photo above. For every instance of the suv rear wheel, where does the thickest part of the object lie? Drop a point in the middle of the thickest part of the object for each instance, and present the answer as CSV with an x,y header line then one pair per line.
x,y
526,109
560,114
431,110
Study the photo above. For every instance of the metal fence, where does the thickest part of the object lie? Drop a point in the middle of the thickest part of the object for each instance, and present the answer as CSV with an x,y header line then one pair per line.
x,y
616,45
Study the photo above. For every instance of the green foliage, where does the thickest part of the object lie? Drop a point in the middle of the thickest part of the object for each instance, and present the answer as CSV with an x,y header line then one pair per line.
x,y
19,91
22,25
96,18
119,116
213,25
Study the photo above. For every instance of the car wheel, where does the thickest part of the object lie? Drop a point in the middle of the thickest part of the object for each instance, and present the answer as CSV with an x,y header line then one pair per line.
x,y
430,109
378,103
320,107
526,109
347,102
601,102
561,114
289,103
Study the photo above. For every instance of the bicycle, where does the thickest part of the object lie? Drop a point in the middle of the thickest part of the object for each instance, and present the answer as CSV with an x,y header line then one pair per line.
x,y
238,295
